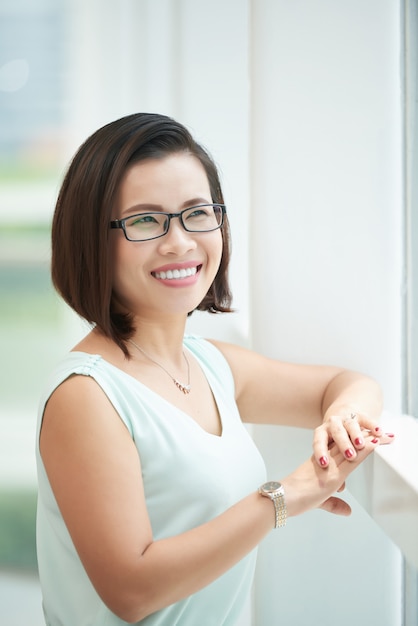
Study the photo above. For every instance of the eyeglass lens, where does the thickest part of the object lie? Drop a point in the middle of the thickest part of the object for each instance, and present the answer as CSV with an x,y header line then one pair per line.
x,y
202,218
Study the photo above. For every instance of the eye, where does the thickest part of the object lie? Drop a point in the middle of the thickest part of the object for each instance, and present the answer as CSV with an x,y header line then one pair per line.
x,y
199,212
143,221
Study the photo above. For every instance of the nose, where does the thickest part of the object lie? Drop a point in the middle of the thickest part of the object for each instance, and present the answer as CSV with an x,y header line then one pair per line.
x,y
178,240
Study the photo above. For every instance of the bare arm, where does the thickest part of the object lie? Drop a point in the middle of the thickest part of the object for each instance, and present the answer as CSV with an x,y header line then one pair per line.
x,y
95,473
306,396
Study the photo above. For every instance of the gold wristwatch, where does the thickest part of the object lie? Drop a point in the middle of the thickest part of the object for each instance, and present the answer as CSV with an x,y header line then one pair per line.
x,y
275,492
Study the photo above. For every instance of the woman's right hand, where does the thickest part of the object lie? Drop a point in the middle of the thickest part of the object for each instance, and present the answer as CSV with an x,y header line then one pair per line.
x,y
311,486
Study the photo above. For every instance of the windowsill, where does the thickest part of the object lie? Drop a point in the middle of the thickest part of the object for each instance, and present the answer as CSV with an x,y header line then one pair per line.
x,y
386,485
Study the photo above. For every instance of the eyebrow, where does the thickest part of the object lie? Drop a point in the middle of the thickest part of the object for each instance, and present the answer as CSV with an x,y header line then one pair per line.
x,y
157,208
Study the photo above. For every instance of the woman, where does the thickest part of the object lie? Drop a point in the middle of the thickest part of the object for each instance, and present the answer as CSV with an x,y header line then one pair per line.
x,y
151,493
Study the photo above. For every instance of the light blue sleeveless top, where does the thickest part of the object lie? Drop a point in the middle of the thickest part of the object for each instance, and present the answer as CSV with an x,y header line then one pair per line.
x,y
190,476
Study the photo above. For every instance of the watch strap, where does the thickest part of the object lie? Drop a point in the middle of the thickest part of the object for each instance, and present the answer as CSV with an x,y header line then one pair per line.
x,y
275,492
280,510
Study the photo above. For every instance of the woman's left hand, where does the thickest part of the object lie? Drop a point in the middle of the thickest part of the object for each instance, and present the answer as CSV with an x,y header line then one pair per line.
x,y
347,431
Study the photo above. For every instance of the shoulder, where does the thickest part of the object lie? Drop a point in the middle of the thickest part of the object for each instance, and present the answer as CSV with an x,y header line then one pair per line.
x,y
256,376
78,415
238,357
79,387
211,358
242,362
206,350
75,392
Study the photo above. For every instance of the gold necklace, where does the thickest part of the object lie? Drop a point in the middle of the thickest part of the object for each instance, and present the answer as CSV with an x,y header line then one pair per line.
x,y
184,388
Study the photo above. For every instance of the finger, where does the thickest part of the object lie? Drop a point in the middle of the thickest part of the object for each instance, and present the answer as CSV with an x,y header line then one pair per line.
x,y
321,446
354,429
370,424
336,506
339,459
339,432
370,444
347,435
386,438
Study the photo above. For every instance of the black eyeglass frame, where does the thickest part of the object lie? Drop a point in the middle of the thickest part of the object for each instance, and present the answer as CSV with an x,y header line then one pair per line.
x,y
122,223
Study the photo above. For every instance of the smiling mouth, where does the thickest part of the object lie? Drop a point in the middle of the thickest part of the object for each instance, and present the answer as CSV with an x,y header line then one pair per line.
x,y
177,274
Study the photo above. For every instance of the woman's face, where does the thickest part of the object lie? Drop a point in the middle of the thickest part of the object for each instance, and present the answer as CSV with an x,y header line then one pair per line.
x,y
143,282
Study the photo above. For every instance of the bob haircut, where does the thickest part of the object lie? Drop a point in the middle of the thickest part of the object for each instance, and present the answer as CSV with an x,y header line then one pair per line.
x,y
81,265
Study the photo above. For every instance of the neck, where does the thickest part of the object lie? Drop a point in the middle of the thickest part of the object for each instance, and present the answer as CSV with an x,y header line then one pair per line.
x,y
163,342
184,387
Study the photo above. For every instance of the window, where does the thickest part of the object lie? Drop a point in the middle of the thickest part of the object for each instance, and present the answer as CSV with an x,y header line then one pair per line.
x,y
411,167
33,106
411,241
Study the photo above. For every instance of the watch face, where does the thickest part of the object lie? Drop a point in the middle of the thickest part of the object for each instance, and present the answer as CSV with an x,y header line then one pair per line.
x,y
271,486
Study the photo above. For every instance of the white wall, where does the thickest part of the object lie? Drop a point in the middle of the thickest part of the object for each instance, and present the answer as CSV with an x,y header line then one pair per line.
x,y
300,103
326,172
327,181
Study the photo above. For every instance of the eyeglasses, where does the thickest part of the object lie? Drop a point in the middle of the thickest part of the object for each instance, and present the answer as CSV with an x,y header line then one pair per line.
x,y
202,218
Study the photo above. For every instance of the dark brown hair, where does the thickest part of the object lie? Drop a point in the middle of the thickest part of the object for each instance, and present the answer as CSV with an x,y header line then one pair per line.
x,y
81,251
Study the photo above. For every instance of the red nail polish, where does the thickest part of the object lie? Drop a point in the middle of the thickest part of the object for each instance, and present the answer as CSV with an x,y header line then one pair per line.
x,y
349,453
375,440
390,435
323,461
377,429
358,441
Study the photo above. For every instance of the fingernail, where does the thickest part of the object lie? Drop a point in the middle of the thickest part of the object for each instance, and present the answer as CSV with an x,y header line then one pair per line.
x,y
349,453
377,429
375,440
359,441
390,435
323,461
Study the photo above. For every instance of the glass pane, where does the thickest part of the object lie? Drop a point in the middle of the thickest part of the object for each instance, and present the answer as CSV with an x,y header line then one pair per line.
x,y
33,70
411,97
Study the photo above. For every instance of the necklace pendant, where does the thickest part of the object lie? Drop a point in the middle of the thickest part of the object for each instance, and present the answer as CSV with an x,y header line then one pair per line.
x,y
184,388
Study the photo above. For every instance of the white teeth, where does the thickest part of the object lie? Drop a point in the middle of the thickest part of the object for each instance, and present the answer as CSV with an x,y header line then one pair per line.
x,y
176,274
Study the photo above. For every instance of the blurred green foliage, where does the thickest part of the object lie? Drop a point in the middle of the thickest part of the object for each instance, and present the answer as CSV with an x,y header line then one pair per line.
x,y
17,528
19,170
26,292
30,314
23,230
